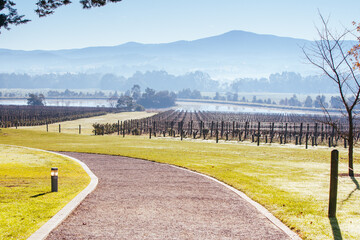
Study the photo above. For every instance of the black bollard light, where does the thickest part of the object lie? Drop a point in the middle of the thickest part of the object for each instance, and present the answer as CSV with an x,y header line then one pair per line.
x,y
54,179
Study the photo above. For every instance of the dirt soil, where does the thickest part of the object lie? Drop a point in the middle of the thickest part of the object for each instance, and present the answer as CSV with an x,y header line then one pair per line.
x,y
137,199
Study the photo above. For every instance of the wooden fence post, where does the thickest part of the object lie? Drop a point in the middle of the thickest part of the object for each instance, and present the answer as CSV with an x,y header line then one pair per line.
x,y
233,130
258,136
246,126
212,128
79,128
59,128
316,134
301,132
333,183
307,136
222,129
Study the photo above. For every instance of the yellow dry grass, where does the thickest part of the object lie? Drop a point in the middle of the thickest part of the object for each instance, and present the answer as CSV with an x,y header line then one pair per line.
x,y
25,190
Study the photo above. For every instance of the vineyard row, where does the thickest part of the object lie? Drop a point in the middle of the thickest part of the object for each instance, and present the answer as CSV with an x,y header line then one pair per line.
x,y
266,128
13,116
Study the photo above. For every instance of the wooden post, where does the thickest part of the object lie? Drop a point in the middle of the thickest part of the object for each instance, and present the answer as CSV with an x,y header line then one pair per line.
x,y
301,132
217,136
222,129
307,136
59,128
47,127
212,128
200,129
333,182
149,133
191,127
245,135
286,127
312,141
258,135
79,128
316,134
118,127
233,130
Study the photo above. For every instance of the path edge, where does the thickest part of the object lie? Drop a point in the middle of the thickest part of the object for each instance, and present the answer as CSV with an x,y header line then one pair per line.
x,y
257,205
58,218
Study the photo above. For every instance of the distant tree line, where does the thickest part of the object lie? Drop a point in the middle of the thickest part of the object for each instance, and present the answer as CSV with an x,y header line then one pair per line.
x,y
319,101
286,82
157,80
69,93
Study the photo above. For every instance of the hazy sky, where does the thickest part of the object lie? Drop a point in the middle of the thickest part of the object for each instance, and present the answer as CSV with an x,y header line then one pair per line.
x,y
159,21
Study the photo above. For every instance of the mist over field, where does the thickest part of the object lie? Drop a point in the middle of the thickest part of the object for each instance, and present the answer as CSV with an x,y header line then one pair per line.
x,y
227,56
236,61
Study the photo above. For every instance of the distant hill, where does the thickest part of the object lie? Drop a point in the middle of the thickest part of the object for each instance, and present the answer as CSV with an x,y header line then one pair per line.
x,y
228,56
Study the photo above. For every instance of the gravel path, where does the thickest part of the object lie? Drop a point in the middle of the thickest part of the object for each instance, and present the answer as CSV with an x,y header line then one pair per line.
x,y
137,199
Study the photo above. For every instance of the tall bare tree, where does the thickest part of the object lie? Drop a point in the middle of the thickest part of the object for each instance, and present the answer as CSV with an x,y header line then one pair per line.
x,y
332,54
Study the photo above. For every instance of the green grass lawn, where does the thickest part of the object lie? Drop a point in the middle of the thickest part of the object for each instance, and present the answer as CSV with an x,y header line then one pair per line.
x,y
291,182
25,192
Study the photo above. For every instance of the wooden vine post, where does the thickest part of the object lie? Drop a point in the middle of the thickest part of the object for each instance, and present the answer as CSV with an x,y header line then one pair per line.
x,y
233,130
301,132
258,134
307,136
333,183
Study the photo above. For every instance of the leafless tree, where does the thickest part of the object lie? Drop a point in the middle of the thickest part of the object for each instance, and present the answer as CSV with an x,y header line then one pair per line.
x,y
331,54
112,101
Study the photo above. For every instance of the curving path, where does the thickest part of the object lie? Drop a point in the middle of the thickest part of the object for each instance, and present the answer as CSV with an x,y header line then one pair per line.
x,y
137,199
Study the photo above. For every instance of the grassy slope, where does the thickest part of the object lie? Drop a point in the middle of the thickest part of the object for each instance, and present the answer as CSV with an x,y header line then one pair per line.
x,y
25,191
291,182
